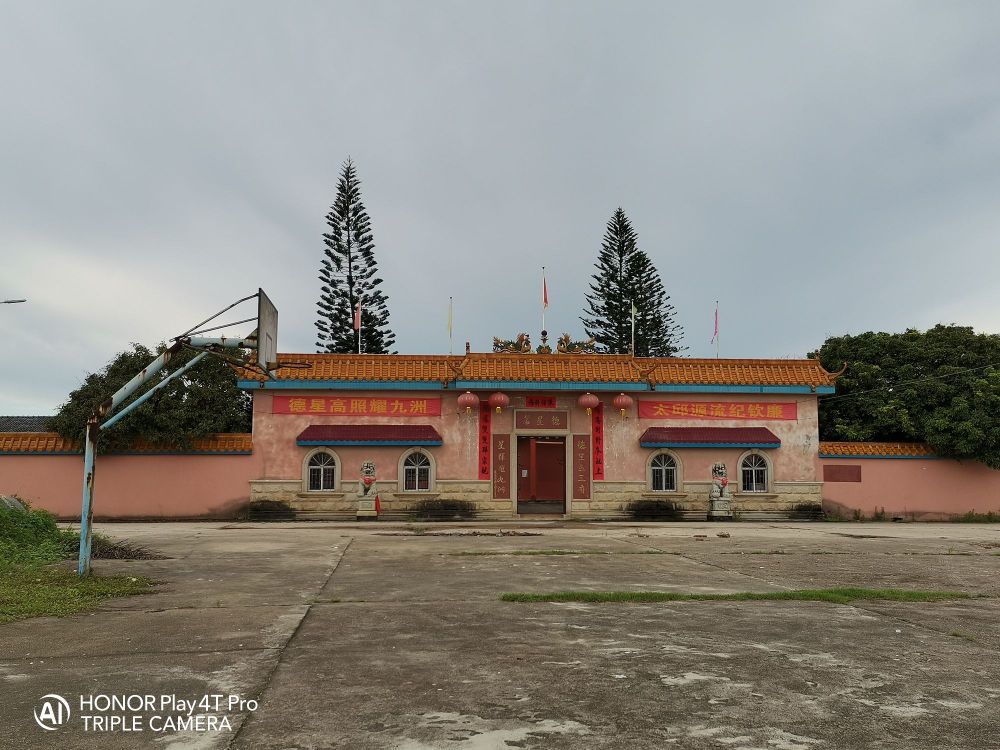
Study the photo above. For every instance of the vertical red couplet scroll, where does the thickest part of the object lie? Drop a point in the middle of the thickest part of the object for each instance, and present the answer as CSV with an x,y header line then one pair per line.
x,y
485,431
597,431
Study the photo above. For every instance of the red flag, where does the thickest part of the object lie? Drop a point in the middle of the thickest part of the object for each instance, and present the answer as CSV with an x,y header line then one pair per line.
x,y
357,316
545,294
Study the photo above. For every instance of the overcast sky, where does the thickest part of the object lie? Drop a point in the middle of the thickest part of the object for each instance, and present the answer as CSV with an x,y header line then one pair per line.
x,y
819,167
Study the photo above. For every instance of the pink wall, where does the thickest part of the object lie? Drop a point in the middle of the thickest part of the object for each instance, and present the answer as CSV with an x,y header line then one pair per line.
x,y
794,461
919,486
280,458
143,486
625,460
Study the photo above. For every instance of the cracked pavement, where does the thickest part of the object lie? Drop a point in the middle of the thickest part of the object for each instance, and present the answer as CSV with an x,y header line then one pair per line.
x,y
370,636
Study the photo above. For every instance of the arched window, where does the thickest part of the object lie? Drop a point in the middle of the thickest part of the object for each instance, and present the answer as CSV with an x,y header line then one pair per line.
x,y
663,473
753,473
322,472
417,472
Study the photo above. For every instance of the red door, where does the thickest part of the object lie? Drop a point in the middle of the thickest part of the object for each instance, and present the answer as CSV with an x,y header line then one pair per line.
x,y
541,474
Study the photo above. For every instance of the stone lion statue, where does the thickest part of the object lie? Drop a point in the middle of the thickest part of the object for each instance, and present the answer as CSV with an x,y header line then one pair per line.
x,y
366,485
720,499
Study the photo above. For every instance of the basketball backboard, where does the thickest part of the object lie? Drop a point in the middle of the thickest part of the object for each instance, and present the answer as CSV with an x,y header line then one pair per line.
x,y
267,333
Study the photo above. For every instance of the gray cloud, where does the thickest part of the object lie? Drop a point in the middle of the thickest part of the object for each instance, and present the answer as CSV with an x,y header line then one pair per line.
x,y
821,168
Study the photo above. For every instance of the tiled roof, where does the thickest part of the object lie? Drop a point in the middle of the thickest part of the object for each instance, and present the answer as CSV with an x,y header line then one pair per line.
x,y
24,424
687,437
583,368
36,442
875,450
51,442
369,434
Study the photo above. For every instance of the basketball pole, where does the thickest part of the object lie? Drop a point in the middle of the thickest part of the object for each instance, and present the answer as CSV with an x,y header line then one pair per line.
x,y
204,346
94,426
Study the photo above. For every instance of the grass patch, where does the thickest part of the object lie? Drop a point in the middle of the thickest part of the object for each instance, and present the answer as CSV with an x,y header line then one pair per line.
x,y
530,552
758,552
32,585
971,517
837,596
57,592
965,636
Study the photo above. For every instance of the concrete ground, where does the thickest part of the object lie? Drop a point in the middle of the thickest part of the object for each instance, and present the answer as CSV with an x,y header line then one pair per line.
x,y
375,637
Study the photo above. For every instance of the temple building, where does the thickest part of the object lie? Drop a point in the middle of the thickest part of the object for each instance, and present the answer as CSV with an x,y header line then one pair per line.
x,y
533,435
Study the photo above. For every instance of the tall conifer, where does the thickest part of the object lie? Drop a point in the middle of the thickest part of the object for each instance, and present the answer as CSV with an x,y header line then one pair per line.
x,y
625,275
349,273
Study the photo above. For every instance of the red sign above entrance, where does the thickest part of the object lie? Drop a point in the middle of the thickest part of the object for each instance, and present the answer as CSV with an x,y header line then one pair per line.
x,y
356,407
526,419
540,402
716,410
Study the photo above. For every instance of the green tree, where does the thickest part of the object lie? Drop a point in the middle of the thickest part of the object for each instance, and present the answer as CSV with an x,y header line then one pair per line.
x,y
940,386
204,400
347,274
625,275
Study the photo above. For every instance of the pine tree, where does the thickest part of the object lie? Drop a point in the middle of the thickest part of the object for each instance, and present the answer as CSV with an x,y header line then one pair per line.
x,y
625,275
347,274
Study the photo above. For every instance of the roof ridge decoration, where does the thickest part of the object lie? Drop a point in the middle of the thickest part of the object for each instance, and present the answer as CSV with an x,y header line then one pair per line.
x,y
647,373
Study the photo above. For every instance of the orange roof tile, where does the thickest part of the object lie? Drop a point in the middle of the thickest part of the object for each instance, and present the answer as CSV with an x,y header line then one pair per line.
x,y
51,442
585,368
36,442
872,450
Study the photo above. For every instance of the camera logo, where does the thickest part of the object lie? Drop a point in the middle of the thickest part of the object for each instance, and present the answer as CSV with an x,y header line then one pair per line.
x,y
52,713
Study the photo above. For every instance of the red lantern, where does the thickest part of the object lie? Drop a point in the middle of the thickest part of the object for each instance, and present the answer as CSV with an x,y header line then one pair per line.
x,y
589,402
499,401
623,403
468,401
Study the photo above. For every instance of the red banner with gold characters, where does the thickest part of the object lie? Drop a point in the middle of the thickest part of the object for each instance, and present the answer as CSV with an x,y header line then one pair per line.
x,y
581,467
485,432
716,410
501,467
597,431
357,407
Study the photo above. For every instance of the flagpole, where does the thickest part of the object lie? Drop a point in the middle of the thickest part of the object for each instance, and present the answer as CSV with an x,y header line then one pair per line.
x,y
632,305
451,309
545,297
716,329
359,324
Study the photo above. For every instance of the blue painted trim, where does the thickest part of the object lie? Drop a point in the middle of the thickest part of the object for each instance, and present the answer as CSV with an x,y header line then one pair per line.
x,y
688,388
901,458
342,385
182,453
520,385
675,444
369,442
549,385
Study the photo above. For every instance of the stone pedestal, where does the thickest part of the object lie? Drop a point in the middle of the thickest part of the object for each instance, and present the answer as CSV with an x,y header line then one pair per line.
x,y
720,509
366,509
